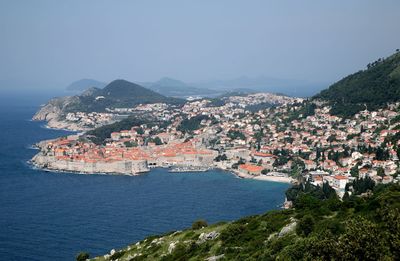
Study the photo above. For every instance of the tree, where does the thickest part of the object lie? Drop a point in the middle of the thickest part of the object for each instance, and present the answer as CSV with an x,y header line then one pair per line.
x,y
222,157
362,185
140,131
82,256
130,144
198,224
318,154
356,244
346,196
328,191
158,141
235,134
241,161
331,138
305,225
380,172
293,192
391,218
297,167
354,171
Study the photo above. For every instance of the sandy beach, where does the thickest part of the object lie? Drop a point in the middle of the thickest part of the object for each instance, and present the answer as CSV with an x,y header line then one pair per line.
x,y
263,177
274,178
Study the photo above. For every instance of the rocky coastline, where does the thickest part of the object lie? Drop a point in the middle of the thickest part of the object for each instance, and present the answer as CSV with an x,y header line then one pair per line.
x,y
52,114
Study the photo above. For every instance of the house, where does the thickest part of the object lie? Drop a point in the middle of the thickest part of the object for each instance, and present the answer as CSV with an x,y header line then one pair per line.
x,y
387,179
340,182
250,169
115,136
345,161
310,164
266,158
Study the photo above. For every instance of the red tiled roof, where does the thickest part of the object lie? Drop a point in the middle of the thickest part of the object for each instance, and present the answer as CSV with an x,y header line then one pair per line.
x,y
251,168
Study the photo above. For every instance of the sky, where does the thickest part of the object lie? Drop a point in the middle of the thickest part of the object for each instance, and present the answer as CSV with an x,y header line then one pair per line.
x,y
49,44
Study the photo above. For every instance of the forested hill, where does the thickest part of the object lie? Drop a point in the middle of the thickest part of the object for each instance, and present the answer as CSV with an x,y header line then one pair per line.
x,y
118,93
371,88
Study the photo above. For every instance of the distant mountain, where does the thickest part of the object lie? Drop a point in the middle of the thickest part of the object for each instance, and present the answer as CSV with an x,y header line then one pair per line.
x,y
85,84
296,88
175,88
370,89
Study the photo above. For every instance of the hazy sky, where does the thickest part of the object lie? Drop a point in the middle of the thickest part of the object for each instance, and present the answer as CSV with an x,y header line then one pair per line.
x,y
52,43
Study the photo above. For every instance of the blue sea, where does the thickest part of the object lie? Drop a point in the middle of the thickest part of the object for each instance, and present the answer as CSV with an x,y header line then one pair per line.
x,y
53,216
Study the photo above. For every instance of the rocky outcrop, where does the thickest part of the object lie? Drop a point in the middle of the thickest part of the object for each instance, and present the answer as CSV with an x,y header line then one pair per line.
x,y
207,236
54,108
288,228
54,113
215,258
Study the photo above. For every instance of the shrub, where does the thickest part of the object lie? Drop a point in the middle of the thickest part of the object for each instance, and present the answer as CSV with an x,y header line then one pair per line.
x,y
198,224
305,225
82,256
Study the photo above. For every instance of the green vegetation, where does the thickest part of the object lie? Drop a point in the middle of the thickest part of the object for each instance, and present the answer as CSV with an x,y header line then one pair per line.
x,y
235,134
82,256
118,94
215,102
130,144
222,157
199,224
259,107
192,124
304,110
101,134
361,186
305,225
319,227
372,88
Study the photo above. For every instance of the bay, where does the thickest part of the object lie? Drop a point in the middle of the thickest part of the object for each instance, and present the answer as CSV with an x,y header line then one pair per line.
x,y
53,216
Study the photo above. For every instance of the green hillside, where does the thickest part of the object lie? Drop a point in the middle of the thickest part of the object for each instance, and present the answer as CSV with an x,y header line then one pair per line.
x,y
365,226
117,94
371,88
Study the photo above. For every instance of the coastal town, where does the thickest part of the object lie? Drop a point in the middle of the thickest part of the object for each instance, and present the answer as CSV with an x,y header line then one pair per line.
x,y
293,140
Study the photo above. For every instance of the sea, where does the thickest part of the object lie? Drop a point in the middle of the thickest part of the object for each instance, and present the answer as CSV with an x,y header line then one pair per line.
x,y
53,216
